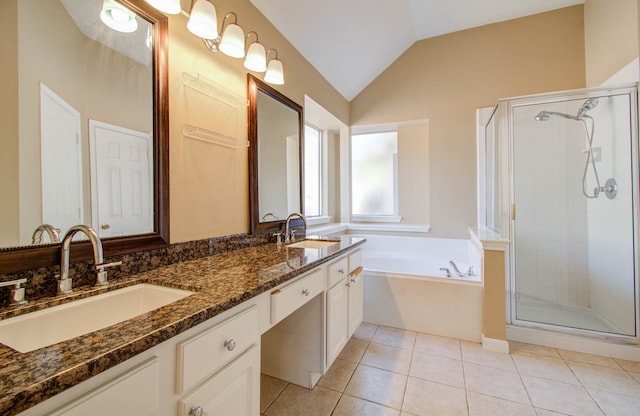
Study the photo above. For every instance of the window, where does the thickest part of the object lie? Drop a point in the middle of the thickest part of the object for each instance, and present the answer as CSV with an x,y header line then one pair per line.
x,y
374,176
312,171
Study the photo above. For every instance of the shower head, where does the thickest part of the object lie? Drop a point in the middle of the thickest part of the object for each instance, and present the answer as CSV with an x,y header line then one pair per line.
x,y
587,106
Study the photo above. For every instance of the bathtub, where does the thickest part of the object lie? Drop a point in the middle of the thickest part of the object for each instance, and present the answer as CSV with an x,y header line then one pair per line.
x,y
405,288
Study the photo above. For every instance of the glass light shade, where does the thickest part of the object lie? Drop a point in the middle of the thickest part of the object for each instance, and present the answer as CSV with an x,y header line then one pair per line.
x,y
275,73
118,17
203,21
232,43
256,59
166,6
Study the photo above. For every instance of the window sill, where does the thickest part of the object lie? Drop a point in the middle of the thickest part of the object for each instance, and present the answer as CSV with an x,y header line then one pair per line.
x,y
404,228
376,218
322,219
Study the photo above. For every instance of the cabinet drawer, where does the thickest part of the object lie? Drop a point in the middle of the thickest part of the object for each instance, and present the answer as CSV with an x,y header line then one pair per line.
x,y
337,271
286,300
235,390
133,393
206,353
355,260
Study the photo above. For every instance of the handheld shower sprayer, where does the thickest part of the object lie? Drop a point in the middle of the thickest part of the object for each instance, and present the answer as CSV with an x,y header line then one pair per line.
x,y
587,106
610,189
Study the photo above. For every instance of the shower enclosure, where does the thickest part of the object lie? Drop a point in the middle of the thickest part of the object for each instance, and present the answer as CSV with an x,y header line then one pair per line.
x,y
562,185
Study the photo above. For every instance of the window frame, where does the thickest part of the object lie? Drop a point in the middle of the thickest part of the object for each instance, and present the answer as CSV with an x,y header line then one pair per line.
x,y
376,218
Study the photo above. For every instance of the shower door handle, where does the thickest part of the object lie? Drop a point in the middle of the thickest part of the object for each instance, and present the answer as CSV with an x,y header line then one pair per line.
x,y
513,212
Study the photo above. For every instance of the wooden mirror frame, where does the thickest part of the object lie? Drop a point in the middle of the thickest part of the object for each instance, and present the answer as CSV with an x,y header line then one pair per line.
x,y
253,86
13,259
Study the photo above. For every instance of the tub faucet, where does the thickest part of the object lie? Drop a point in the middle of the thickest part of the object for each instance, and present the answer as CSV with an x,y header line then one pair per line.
x,y
446,270
290,235
65,284
455,268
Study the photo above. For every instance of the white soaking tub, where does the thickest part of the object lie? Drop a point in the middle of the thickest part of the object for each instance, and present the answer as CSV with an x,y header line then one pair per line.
x,y
405,287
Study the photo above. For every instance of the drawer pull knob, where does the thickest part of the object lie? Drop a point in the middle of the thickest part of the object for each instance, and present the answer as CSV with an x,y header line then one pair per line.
x,y
230,344
197,411
306,292
341,271
353,280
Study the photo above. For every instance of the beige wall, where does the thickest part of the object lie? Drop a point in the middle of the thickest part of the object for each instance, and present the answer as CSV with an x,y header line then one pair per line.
x,y
413,173
611,37
208,183
494,310
445,79
9,211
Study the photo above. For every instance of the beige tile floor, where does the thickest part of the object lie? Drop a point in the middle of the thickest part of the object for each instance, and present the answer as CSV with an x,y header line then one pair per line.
x,y
390,372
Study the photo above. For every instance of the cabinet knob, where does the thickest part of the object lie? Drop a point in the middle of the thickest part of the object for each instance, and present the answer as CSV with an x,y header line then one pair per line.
x,y
197,411
306,292
353,280
230,344
341,271
105,226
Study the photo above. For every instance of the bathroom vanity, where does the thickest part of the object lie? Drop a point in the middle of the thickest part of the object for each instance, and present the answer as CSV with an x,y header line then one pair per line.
x,y
285,311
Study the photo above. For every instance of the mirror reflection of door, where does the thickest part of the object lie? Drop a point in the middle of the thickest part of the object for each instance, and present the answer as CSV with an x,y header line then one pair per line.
x,y
122,191
61,160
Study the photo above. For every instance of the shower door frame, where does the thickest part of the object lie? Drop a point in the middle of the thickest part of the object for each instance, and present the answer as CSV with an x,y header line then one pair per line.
x,y
506,115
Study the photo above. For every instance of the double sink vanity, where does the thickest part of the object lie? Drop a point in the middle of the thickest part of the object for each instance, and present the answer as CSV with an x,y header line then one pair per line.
x,y
190,338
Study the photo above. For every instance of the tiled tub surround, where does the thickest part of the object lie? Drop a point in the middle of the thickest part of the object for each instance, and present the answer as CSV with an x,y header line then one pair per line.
x,y
221,281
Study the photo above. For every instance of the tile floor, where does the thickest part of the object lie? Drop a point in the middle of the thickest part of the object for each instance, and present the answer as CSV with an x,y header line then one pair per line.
x,y
390,372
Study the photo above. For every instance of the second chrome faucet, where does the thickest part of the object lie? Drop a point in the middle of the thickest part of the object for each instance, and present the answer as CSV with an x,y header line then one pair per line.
x,y
289,235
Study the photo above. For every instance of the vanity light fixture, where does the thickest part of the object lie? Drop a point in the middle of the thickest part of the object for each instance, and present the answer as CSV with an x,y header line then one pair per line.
x,y
118,17
166,6
232,42
203,21
256,59
275,71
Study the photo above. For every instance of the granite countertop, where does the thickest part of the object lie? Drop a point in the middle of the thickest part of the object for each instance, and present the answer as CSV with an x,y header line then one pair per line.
x,y
220,282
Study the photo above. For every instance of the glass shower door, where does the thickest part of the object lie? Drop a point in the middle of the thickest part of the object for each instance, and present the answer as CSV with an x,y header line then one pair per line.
x,y
574,262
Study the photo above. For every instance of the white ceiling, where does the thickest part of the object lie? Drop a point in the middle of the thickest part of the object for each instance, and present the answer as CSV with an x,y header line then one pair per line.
x,y
351,42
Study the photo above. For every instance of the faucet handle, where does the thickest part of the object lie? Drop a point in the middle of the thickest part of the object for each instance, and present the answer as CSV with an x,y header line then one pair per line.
x,y
102,279
18,292
292,235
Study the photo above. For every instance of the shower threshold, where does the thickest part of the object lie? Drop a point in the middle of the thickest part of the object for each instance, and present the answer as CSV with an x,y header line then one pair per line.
x,y
577,317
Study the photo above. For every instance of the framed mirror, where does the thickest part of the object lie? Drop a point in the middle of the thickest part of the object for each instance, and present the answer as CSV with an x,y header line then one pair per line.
x,y
275,156
81,94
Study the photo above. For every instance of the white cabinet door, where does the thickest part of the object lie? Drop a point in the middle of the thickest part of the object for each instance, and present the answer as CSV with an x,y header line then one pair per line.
x,y
356,301
337,324
235,390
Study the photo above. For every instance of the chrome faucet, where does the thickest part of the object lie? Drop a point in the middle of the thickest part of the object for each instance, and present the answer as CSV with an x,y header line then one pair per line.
x,y
53,232
65,284
290,235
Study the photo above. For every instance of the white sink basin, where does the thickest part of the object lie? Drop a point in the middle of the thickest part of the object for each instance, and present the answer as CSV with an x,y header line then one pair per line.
x,y
313,244
49,326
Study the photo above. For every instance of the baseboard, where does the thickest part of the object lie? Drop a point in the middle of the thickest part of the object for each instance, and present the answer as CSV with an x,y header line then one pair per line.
x,y
498,345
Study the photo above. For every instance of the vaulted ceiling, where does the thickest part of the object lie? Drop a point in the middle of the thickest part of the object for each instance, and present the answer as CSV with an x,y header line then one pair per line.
x,y
351,42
